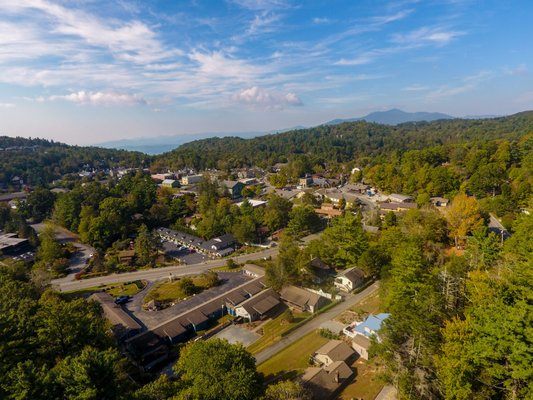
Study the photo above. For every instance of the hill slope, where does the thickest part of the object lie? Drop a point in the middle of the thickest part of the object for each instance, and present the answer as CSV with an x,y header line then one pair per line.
x,y
343,142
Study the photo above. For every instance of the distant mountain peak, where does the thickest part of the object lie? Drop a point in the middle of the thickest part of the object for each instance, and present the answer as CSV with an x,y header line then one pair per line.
x,y
394,116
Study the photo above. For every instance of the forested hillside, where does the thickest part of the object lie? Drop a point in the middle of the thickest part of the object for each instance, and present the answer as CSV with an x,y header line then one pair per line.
x,y
39,161
344,142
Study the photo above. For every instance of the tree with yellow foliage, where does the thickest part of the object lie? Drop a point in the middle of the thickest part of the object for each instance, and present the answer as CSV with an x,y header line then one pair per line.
x,y
463,216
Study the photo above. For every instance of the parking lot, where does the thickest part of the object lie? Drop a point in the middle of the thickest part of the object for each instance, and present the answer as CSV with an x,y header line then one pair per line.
x,y
183,254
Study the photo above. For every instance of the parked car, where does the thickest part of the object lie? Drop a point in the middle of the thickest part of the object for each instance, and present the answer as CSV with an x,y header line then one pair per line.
x,y
122,299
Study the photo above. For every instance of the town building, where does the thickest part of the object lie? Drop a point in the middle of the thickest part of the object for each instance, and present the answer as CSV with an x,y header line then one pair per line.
x,y
11,244
191,179
234,188
440,201
326,382
258,306
170,183
333,351
369,327
301,299
123,325
349,279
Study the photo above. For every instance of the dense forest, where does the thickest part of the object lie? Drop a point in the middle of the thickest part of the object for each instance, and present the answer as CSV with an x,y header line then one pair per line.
x,y
39,161
343,143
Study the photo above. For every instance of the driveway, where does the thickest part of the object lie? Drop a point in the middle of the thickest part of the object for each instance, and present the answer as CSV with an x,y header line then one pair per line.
x,y
79,260
229,281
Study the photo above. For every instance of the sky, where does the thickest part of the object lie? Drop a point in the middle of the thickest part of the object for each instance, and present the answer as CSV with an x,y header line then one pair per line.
x,y
90,71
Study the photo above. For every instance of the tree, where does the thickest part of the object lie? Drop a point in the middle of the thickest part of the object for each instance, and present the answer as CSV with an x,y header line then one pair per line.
x,y
231,264
344,241
187,286
463,216
211,279
145,246
40,203
161,389
67,327
286,390
49,250
374,259
91,375
276,214
303,220
217,370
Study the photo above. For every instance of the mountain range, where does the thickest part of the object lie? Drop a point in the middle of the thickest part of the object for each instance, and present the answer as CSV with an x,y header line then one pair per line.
x,y
394,117
162,144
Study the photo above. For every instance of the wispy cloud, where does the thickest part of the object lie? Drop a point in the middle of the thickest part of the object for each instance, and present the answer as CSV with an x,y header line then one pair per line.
x,y
415,88
261,4
520,70
322,21
258,97
98,98
7,105
466,84
425,35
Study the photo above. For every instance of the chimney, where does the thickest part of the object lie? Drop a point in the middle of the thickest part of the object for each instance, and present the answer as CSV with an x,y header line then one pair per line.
x,y
336,376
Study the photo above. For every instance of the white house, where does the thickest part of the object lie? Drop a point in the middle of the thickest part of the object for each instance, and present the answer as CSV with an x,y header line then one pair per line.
x,y
349,279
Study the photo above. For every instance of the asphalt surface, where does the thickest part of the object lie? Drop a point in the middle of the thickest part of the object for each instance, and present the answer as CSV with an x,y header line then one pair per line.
x,y
315,323
162,273
229,281
157,273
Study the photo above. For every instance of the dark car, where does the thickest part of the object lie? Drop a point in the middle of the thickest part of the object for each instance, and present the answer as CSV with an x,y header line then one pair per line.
x,y
122,299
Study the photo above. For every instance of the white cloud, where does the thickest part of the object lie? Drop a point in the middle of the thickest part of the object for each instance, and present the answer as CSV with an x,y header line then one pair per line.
x,y
426,35
520,70
415,88
361,60
467,84
217,64
7,105
261,4
99,98
322,21
259,97
131,41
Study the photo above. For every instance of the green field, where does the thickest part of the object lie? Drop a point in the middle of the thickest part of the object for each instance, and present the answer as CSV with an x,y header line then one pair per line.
x,y
294,358
273,330
167,292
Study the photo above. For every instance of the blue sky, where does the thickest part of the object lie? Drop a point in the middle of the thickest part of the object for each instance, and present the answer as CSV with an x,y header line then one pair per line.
x,y
87,71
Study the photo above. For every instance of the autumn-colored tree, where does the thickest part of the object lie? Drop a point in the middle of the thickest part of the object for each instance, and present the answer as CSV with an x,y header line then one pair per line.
x,y
463,216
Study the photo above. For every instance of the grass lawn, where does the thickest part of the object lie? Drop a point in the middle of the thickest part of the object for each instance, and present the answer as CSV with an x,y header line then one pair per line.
x,y
366,384
294,358
167,292
273,330
115,290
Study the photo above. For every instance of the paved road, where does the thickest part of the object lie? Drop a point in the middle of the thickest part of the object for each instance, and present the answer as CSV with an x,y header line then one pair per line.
x,y
157,273
315,323
150,319
161,273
